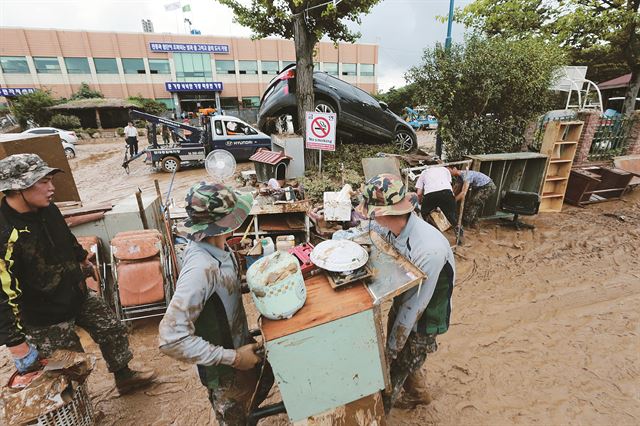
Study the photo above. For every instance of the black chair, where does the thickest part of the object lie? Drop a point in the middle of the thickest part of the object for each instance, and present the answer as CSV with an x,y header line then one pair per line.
x,y
519,203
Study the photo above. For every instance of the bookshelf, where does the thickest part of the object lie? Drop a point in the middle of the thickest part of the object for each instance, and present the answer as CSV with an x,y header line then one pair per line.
x,y
559,144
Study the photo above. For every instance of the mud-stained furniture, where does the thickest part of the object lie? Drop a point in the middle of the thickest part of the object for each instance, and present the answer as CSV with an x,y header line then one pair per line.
x,y
596,184
140,265
559,144
516,171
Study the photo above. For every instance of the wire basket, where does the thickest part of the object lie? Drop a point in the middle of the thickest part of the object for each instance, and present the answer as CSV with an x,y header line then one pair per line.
x,y
77,412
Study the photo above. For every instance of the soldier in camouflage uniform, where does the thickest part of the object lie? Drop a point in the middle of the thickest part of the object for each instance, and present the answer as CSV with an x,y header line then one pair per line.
x,y
205,323
43,294
421,313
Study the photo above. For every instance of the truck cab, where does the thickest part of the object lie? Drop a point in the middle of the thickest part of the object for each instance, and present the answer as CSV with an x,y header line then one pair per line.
x,y
191,144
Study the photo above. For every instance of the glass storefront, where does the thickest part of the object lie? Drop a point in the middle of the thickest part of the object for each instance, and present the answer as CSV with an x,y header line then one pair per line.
x,y
192,67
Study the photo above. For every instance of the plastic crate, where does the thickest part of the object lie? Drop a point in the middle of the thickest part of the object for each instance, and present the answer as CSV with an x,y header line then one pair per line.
x,y
303,253
77,412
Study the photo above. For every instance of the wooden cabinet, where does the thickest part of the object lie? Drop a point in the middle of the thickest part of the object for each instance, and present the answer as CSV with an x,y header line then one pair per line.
x,y
268,218
596,184
559,144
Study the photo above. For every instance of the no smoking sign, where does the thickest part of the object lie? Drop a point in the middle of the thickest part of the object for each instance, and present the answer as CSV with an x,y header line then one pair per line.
x,y
321,131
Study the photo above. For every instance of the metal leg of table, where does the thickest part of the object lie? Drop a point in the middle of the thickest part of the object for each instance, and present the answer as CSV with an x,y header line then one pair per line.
x,y
256,228
307,227
268,411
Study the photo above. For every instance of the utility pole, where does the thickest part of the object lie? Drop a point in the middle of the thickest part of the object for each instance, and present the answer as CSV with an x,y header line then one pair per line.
x,y
447,47
447,41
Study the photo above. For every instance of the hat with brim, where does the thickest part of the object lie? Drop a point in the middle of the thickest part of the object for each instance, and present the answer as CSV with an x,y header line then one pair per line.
x,y
215,209
21,171
385,195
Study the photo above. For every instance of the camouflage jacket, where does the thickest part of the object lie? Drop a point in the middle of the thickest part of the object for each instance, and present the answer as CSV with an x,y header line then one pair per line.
x,y
207,273
429,250
40,276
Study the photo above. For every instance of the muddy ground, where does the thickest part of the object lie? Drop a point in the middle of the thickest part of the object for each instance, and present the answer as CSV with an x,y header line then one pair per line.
x,y
545,323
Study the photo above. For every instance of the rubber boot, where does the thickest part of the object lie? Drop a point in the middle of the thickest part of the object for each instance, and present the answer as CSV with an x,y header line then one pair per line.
x,y
415,389
128,380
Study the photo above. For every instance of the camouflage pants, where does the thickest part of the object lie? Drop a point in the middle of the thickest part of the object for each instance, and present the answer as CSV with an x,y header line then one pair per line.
x,y
409,360
475,201
232,398
101,324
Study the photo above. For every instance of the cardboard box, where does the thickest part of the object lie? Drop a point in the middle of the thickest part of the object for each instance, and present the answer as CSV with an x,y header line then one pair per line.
x,y
336,208
49,148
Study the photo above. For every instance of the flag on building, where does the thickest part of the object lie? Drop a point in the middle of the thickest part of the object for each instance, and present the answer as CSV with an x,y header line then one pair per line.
x,y
172,6
186,8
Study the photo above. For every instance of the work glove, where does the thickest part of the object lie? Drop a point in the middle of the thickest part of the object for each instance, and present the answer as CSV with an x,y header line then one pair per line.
x,y
246,357
29,362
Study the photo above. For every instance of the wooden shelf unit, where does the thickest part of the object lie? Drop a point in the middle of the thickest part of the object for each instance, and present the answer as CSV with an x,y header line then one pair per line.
x,y
559,143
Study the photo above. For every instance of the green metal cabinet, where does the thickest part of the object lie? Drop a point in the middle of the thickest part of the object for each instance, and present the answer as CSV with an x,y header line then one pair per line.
x,y
330,353
516,171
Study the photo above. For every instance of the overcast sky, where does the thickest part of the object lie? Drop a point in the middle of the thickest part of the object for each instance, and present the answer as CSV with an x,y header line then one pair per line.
x,y
402,28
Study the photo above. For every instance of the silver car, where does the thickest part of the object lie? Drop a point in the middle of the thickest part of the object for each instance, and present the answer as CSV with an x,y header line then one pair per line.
x,y
66,135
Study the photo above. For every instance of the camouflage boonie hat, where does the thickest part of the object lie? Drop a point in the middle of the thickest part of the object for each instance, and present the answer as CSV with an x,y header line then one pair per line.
x,y
386,195
215,209
21,171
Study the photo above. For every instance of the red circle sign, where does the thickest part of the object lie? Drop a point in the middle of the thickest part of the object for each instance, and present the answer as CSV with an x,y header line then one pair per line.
x,y
320,127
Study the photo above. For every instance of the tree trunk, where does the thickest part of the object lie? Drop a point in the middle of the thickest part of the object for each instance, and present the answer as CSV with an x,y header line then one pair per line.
x,y
632,93
304,42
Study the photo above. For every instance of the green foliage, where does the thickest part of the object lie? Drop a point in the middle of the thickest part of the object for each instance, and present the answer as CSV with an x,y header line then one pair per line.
x,y
306,22
315,186
90,131
120,131
604,35
32,107
397,99
269,18
485,91
344,163
86,92
150,106
66,122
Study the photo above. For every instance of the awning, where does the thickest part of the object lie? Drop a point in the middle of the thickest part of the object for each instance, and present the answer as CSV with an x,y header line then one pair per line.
x,y
622,81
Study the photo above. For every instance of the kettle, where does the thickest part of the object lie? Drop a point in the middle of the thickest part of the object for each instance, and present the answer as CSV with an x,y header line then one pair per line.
x,y
276,285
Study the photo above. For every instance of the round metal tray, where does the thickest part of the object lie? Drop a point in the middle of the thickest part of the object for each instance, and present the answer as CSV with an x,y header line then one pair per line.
x,y
339,255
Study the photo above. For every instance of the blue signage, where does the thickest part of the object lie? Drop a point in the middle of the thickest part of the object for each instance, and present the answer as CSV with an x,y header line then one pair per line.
x,y
173,86
189,47
8,92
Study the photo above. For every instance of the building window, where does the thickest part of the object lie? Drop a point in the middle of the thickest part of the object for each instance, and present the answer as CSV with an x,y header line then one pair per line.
x,y
367,70
159,66
269,67
14,65
133,66
348,69
77,65
251,101
247,67
47,65
192,67
287,63
105,65
225,67
316,66
229,103
330,68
